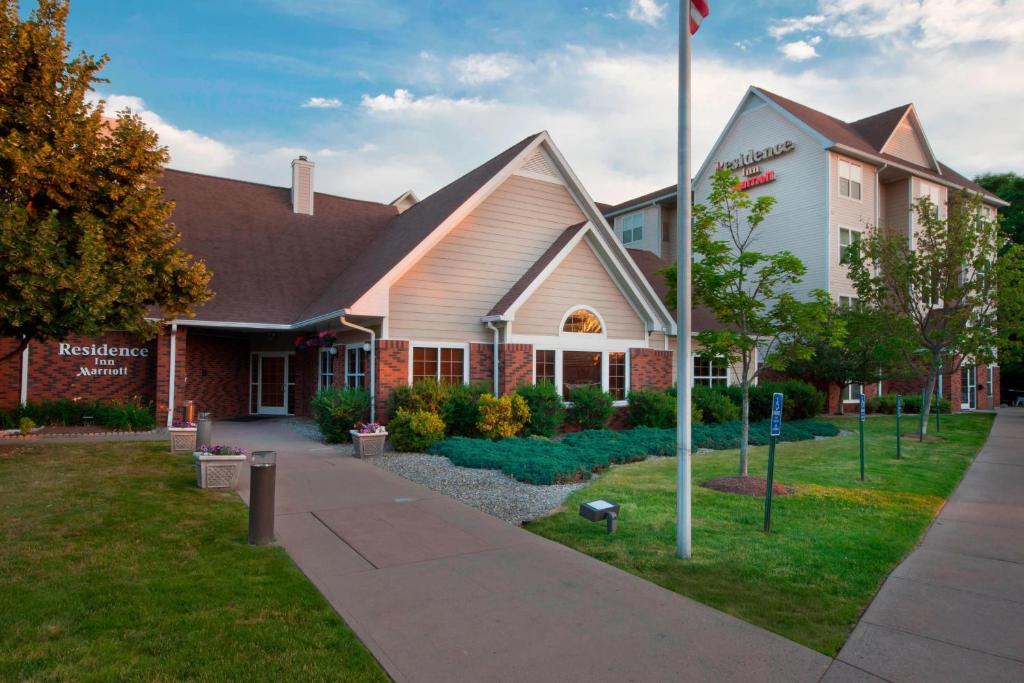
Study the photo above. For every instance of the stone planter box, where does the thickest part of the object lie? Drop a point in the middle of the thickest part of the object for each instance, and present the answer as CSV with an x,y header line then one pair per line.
x,y
217,471
368,445
183,439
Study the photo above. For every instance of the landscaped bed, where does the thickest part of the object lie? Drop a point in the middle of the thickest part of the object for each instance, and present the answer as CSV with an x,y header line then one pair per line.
x,y
538,460
833,541
113,566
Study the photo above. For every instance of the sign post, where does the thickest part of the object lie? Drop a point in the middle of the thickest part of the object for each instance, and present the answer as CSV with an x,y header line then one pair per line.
x,y
773,438
863,413
899,414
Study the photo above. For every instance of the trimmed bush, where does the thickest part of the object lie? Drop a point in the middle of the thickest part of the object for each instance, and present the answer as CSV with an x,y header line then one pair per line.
x,y
459,408
337,410
591,407
124,415
424,395
652,409
911,404
502,417
414,431
547,412
713,405
26,425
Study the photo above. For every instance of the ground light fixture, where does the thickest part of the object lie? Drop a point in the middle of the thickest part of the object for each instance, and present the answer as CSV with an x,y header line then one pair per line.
x,y
262,476
597,510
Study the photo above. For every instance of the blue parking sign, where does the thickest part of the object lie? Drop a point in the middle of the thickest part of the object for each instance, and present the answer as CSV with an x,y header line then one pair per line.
x,y
776,414
899,405
863,412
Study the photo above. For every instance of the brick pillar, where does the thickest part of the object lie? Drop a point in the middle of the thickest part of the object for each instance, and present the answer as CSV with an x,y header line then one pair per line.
x,y
10,374
392,371
996,387
481,363
163,364
516,366
951,389
650,369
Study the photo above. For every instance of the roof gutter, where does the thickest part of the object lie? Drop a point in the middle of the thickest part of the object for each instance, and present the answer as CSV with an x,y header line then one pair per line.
x,y
642,205
497,384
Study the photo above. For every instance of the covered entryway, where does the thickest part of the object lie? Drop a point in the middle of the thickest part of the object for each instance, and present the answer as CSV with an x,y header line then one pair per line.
x,y
273,383
968,387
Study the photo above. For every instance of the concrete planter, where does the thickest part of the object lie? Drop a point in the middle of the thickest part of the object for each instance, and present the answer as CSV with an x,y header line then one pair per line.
x,y
368,445
183,439
217,471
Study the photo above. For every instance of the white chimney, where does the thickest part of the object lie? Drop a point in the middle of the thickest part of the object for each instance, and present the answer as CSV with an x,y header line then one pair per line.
x,y
302,186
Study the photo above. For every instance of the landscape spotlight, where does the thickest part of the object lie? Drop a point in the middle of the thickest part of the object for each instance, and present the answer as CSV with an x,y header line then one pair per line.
x,y
596,510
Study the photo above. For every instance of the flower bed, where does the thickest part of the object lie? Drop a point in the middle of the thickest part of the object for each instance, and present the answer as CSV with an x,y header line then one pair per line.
x,y
537,460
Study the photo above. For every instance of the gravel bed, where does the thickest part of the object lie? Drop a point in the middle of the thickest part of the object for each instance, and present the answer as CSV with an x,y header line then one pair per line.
x,y
489,491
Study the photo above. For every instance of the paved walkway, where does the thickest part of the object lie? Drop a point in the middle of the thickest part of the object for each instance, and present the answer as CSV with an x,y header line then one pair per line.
x,y
954,609
441,592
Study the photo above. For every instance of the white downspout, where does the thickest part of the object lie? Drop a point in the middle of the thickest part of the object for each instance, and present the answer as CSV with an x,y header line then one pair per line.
x,y
24,376
171,366
373,364
494,329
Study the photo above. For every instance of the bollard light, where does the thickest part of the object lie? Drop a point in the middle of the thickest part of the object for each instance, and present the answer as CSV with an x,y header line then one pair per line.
x,y
262,473
204,431
597,510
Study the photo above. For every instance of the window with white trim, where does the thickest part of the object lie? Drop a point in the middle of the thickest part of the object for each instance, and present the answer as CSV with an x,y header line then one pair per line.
x,y
325,374
355,367
852,392
544,368
934,195
633,228
617,375
582,321
848,302
446,365
848,239
710,371
850,179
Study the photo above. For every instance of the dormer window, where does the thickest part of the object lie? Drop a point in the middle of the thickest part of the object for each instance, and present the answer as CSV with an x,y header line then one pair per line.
x,y
850,179
582,321
633,228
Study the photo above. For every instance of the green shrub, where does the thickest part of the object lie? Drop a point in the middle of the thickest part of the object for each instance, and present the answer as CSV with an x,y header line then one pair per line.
x,y
802,400
423,395
714,405
652,409
337,410
502,417
129,416
911,404
459,408
26,425
547,412
591,407
63,411
414,431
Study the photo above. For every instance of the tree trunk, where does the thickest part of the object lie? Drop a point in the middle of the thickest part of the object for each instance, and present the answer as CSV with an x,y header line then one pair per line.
x,y
926,400
745,434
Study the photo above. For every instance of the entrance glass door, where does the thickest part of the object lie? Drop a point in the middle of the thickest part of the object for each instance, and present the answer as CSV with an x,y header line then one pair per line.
x,y
968,388
273,381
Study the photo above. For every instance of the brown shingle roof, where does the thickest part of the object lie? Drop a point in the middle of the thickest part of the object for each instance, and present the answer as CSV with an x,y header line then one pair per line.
x,y
878,129
650,265
535,270
267,261
642,199
403,234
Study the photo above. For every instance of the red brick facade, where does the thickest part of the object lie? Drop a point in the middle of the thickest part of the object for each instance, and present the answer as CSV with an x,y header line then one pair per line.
x,y
163,366
10,375
392,371
516,366
481,363
650,369
216,374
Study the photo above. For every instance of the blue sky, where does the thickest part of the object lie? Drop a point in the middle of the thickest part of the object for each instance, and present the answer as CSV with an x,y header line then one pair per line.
x,y
387,95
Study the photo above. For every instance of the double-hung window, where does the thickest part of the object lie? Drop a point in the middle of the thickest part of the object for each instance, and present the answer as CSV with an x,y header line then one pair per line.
x,y
934,195
850,179
545,366
617,375
355,369
849,302
633,228
710,371
848,241
446,365
852,392
325,376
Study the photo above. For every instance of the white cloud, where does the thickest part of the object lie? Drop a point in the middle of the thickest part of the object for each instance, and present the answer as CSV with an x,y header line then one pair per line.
x,y
322,103
800,50
795,25
188,149
405,101
477,69
646,11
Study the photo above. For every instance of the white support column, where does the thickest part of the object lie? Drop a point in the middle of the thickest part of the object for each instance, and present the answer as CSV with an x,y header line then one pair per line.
x,y
24,377
172,362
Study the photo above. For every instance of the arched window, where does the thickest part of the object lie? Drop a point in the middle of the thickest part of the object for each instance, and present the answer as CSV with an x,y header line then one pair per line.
x,y
582,321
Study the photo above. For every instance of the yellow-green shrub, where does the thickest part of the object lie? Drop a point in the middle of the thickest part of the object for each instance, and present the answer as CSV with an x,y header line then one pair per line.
x,y
502,418
414,431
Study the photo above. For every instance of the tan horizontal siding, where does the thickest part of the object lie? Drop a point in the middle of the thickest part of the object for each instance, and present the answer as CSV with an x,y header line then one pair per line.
x,y
580,280
443,296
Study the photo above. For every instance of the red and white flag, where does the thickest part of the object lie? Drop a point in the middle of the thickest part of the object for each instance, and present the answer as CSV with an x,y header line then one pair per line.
x,y
698,11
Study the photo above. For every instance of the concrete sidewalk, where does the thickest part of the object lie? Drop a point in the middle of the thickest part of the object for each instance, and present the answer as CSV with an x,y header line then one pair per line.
x,y
441,592
954,609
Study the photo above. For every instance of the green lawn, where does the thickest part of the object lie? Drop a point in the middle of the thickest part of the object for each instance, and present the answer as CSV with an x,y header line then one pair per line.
x,y
113,566
832,543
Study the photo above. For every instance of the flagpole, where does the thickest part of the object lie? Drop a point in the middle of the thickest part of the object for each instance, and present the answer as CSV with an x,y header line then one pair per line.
x,y
683,295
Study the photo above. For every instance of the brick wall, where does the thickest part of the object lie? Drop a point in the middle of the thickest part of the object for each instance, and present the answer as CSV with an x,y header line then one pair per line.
x,y
516,366
163,364
217,375
481,363
307,371
650,369
833,394
10,375
392,371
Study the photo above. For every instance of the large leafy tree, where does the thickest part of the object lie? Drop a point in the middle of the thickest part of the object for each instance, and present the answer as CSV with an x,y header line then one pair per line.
x,y
749,291
949,285
875,346
85,242
1008,186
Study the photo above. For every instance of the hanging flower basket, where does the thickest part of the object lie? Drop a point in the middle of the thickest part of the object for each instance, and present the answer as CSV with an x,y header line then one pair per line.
x,y
217,467
183,436
369,440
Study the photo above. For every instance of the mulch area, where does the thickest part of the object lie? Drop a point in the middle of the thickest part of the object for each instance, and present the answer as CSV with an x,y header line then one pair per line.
x,y
70,430
747,486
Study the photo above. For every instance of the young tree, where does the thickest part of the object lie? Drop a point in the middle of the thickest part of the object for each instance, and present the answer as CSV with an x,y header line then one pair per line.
x,y
875,346
85,243
948,285
750,292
